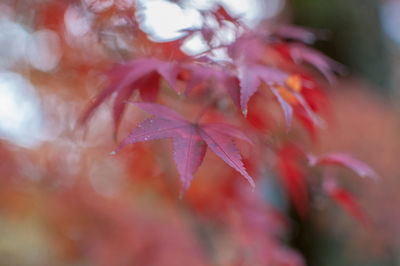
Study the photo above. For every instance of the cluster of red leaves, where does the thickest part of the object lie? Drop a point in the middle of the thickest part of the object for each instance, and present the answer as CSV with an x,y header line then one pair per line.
x,y
263,75
277,61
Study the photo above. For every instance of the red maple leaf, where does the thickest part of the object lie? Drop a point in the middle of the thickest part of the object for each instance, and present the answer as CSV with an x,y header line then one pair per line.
x,y
142,74
340,195
190,140
251,76
344,199
217,76
293,177
279,82
301,53
247,53
343,159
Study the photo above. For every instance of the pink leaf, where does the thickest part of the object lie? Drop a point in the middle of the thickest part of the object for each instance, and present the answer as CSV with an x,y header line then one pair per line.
x,y
296,33
151,129
119,105
342,159
160,110
301,53
190,140
286,107
224,148
200,74
189,151
142,74
249,83
228,130
250,77
246,49
166,69
217,76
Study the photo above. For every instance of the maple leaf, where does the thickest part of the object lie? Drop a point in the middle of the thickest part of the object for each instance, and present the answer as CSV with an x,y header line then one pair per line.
x,y
340,195
344,199
302,53
215,75
286,107
248,48
190,140
246,53
286,91
343,159
201,73
295,33
308,112
251,76
142,74
293,177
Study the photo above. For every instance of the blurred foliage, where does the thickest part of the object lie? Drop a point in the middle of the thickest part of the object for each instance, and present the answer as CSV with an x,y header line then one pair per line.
x,y
66,201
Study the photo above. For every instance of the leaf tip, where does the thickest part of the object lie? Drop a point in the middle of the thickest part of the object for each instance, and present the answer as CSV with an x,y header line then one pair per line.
x,y
373,176
312,160
181,194
251,182
245,111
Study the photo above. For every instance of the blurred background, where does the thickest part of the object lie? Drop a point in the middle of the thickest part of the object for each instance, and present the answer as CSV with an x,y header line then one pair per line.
x,y
65,201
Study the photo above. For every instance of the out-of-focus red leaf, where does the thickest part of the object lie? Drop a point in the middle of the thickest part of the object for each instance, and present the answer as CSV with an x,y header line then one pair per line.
x,y
295,33
314,94
293,177
216,76
307,123
344,199
345,160
316,120
258,225
142,74
301,53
